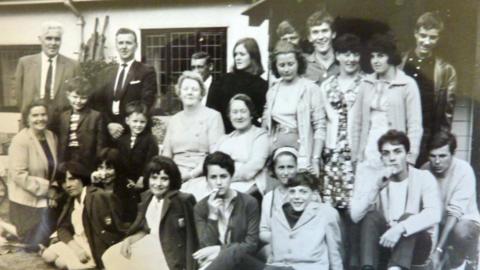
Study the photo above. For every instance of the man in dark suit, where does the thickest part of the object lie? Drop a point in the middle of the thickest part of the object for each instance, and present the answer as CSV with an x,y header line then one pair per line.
x,y
128,81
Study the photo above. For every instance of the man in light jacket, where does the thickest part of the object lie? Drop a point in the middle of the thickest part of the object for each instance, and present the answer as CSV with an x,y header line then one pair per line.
x,y
395,207
461,219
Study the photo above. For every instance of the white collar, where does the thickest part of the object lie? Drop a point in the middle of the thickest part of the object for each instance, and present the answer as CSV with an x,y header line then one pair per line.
x,y
45,58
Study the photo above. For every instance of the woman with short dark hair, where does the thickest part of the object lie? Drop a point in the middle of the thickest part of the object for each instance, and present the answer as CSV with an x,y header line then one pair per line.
x,y
387,99
31,188
163,234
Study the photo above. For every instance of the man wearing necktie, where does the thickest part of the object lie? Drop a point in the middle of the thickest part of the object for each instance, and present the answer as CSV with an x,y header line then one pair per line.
x,y
42,75
128,81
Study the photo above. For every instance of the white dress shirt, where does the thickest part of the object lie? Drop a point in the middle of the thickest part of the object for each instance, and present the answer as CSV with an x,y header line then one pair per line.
x,y
44,71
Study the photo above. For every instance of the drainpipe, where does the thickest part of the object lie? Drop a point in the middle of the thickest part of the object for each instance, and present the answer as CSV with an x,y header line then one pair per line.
x,y
80,22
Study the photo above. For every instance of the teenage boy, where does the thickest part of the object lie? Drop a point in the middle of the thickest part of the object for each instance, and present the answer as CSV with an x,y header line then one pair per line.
x,y
436,79
227,221
321,63
395,208
461,220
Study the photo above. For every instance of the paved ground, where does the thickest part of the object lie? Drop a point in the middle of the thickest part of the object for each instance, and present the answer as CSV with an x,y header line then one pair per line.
x,y
17,259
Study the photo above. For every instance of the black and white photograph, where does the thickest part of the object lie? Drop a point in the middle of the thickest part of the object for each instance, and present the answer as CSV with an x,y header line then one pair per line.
x,y
239,134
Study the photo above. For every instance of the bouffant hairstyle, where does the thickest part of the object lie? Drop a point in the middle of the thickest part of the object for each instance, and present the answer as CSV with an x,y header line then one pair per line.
x,y
347,43
303,179
163,164
385,43
192,75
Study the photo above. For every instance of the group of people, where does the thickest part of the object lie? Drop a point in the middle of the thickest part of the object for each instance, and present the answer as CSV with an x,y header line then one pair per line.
x,y
325,168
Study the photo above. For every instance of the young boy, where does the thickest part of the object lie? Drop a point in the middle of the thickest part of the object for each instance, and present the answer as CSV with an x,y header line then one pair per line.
x,y
303,233
321,63
88,224
137,146
81,131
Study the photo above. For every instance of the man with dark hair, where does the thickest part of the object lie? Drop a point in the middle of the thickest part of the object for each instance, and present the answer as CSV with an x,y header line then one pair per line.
x,y
321,63
395,207
202,63
461,223
128,81
436,79
227,221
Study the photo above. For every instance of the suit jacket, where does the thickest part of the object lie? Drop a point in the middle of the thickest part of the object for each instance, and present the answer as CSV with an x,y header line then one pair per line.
x,y
136,159
224,88
177,231
28,80
91,136
28,181
103,227
243,225
140,84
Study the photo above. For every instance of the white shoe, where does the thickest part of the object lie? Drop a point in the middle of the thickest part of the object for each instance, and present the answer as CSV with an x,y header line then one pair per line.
x,y
461,267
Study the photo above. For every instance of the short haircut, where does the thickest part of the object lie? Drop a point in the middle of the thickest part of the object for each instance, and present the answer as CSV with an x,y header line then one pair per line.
x,y
385,43
51,25
395,137
76,169
251,45
303,179
318,18
442,138
192,75
283,47
160,163
123,31
430,20
80,85
136,106
247,101
26,111
203,55
284,28
281,151
220,159
347,43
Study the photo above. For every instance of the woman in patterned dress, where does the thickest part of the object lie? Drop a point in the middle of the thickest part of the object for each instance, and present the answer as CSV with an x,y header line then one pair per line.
x,y
337,95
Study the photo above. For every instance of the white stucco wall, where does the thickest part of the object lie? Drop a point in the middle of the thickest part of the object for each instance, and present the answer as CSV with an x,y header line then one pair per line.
x,y
22,25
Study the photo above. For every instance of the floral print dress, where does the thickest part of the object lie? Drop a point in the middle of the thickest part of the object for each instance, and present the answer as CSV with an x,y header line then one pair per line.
x,y
338,171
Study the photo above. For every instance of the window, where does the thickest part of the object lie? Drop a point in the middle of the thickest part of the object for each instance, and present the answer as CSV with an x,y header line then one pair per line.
x,y
169,52
9,56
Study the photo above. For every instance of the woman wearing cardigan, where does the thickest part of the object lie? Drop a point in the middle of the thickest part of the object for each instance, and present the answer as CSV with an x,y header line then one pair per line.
x,y
387,99
33,162
290,115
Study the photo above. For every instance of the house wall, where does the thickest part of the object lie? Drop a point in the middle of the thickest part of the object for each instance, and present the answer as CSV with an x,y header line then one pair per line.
x,y
22,25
